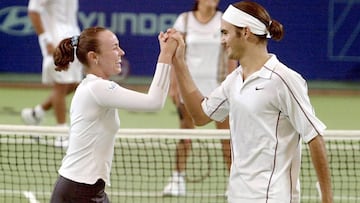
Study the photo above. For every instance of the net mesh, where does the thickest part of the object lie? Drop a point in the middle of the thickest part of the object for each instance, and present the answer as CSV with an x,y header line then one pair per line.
x,y
145,158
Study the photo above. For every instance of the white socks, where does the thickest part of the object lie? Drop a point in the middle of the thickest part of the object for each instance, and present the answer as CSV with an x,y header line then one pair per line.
x,y
178,174
39,111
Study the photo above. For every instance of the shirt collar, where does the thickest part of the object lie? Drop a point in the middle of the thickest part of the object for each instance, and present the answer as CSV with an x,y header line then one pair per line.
x,y
91,76
268,68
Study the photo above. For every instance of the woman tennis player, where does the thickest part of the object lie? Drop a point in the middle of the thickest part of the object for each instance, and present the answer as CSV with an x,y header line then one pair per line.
x,y
269,109
94,119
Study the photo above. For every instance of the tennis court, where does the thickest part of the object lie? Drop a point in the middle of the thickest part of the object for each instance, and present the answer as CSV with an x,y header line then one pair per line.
x,y
337,111
143,161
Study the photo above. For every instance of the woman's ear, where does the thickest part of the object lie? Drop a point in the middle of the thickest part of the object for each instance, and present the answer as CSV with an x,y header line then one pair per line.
x,y
92,57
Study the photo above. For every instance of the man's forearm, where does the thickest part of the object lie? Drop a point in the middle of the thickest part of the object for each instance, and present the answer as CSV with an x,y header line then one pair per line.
x,y
191,95
321,165
36,22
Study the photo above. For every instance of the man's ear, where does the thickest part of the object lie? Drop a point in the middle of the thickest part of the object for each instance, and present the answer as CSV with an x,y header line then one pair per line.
x,y
246,31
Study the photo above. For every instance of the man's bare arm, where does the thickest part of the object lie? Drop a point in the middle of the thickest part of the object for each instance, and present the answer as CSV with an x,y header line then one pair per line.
x,y
321,165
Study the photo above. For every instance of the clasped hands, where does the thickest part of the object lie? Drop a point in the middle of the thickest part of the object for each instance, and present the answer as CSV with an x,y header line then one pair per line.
x,y
172,42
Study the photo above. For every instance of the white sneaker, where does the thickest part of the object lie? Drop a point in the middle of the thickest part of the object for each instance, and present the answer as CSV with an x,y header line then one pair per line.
x,y
30,117
61,142
176,186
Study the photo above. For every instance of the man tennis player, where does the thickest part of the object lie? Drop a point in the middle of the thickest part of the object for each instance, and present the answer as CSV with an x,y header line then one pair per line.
x,y
269,109
54,20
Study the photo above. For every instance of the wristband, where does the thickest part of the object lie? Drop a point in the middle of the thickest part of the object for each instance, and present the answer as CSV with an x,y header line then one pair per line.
x,y
45,38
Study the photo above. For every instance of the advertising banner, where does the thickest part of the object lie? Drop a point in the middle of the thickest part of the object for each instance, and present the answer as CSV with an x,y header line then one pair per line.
x,y
322,38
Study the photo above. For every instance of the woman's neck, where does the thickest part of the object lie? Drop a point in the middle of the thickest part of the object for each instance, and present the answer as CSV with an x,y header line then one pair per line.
x,y
98,72
204,14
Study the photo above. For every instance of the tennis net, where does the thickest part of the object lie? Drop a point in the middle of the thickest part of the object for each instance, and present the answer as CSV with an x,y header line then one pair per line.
x,y
145,158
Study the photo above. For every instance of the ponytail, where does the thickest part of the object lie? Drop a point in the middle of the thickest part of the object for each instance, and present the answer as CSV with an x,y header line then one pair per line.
x,y
276,30
64,54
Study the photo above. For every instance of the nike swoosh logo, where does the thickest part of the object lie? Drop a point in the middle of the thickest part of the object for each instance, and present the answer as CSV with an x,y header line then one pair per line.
x,y
259,88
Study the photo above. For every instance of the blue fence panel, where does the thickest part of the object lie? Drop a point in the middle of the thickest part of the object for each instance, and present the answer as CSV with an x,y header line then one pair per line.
x,y
322,38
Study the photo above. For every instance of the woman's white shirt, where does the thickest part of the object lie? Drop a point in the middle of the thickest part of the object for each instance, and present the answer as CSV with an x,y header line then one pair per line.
x,y
95,121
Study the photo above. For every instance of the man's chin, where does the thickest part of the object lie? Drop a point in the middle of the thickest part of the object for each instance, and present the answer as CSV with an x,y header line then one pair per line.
x,y
118,70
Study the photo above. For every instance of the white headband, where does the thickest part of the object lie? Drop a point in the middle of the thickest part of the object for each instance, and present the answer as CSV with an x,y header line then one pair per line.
x,y
239,18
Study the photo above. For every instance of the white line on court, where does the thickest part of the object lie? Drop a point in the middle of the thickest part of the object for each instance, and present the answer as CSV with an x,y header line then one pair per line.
x,y
30,196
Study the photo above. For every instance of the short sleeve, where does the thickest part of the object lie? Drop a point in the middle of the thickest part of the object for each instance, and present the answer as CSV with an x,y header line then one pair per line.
x,y
37,5
295,104
179,24
216,105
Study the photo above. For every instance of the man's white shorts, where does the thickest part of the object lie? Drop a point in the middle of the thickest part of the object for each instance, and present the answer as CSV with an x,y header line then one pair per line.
x,y
50,76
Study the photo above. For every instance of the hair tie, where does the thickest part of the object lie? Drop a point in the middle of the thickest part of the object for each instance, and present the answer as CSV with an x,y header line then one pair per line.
x,y
75,40
270,23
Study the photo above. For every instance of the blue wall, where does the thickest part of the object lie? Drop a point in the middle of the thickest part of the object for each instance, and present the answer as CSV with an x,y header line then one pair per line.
x,y
322,38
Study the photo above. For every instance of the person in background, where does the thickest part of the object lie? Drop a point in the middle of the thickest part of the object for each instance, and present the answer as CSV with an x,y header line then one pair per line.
x,y
94,117
269,110
54,20
208,66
